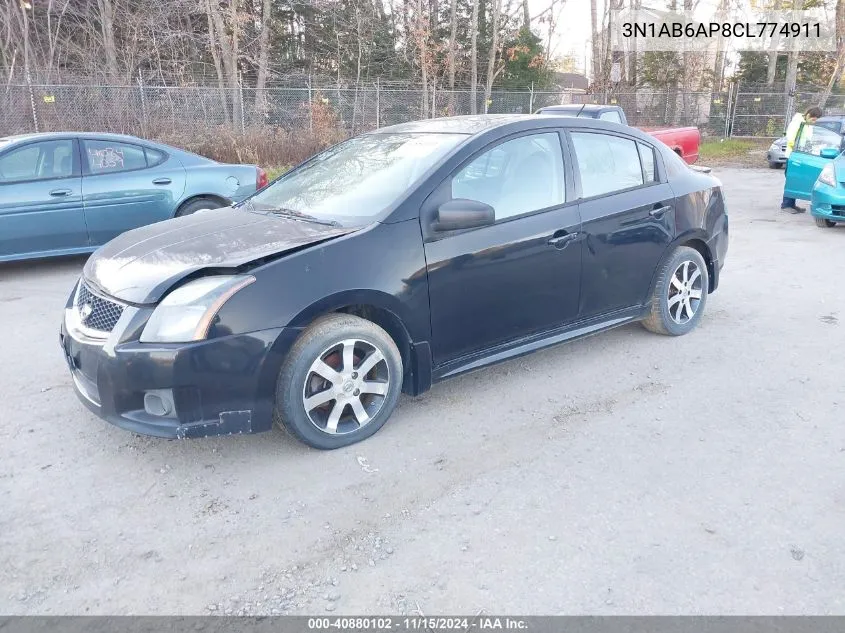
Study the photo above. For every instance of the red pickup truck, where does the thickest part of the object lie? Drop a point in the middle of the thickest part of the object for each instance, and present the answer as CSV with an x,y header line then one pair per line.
x,y
684,141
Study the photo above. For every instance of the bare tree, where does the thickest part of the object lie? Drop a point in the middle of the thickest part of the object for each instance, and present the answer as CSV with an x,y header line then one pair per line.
x,y
792,65
473,86
212,45
421,34
771,72
263,56
228,45
491,55
452,37
719,62
106,9
838,68
595,63
634,5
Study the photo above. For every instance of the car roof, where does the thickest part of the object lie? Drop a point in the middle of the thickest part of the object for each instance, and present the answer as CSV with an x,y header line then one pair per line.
x,y
8,141
586,107
476,124
466,124
35,136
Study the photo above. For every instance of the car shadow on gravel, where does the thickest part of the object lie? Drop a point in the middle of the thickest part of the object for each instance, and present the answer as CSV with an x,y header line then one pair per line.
x,y
407,427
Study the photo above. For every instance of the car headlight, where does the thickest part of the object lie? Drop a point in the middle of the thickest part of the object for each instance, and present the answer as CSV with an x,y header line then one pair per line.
x,y
186,314
774,147
828,175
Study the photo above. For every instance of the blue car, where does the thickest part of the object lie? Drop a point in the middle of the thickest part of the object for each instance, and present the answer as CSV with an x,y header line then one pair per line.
x,y
69,193
816,171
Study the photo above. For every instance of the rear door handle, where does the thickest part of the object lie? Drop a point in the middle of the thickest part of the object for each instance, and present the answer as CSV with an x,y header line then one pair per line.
x,y
60,192
561,239
658,212
162,181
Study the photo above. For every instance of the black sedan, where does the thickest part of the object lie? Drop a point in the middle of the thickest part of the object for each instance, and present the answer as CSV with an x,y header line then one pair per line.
x,y
388,263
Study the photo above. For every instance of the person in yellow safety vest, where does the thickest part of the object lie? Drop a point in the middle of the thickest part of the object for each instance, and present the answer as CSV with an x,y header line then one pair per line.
x,y
810,116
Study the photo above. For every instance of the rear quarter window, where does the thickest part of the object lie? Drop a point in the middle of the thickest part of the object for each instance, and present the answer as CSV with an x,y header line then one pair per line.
x,y
611,115
154,157
675,165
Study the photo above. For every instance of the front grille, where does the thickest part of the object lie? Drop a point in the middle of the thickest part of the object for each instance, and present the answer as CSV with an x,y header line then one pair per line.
x,y
95,312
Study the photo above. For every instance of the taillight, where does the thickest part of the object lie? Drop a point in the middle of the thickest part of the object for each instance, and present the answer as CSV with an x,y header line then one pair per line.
x,y
261,180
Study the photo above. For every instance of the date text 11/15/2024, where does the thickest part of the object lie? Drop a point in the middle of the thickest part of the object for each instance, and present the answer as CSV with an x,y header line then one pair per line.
x,y
421,623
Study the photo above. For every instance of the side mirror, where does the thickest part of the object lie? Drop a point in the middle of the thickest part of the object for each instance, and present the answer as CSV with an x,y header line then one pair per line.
x,y
829,152
463,214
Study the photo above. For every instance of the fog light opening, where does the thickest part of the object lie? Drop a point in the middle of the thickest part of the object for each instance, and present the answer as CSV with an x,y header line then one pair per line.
x,y
159,403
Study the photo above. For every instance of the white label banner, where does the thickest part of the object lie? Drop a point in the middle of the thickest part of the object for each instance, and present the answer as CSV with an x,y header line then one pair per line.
x,y
738,29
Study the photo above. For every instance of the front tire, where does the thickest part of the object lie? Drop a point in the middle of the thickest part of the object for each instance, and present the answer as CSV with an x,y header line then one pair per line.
x,y
824,223
775,165
679,295
340,382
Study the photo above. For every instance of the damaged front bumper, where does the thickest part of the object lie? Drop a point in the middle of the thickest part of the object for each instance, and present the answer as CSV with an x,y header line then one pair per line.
x,y
221,386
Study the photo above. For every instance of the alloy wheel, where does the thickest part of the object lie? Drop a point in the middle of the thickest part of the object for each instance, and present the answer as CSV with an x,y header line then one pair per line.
x,y
685,292
346,386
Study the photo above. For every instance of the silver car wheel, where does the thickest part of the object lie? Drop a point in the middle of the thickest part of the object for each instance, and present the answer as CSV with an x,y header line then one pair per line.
x,y
685,291
345,387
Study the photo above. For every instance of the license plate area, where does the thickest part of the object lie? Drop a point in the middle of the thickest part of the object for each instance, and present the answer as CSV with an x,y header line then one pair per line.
x,y
83,362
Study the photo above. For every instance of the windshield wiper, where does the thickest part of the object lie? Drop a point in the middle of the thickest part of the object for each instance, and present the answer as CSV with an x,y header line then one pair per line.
x,y
295,215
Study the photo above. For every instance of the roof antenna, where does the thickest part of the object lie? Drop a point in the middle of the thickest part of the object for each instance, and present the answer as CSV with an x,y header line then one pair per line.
x,y
583,105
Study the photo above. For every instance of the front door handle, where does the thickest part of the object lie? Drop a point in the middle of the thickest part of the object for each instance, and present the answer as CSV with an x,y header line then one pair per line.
x,y
659,212
561,239
162,181
60,192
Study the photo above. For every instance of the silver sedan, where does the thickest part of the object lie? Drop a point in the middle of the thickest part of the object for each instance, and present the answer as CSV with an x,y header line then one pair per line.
x,y
777,153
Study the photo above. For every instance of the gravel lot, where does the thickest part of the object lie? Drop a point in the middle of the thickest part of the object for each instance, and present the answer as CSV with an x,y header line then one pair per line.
x,y
624,473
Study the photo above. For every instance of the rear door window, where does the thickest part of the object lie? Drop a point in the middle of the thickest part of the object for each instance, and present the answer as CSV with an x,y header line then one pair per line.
x,y
106,157
606,163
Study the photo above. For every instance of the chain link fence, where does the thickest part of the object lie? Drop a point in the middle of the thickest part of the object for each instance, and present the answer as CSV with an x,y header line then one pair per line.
x,y
150,111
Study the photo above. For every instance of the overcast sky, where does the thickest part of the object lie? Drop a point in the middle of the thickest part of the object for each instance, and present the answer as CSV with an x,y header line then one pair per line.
x,y
573,31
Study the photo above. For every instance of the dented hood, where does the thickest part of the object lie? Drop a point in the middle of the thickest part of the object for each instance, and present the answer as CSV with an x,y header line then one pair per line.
x,y
141,265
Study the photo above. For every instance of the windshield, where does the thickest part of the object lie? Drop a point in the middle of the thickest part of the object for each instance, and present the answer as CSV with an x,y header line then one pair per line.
x,y
357,180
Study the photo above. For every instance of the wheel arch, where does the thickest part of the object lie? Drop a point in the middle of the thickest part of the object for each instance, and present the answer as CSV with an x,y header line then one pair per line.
x,y
701,246
694,239
224,202
387,312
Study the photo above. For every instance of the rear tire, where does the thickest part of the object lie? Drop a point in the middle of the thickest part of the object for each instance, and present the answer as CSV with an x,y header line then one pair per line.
x,y
824,224
197,204
340,382
680,294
